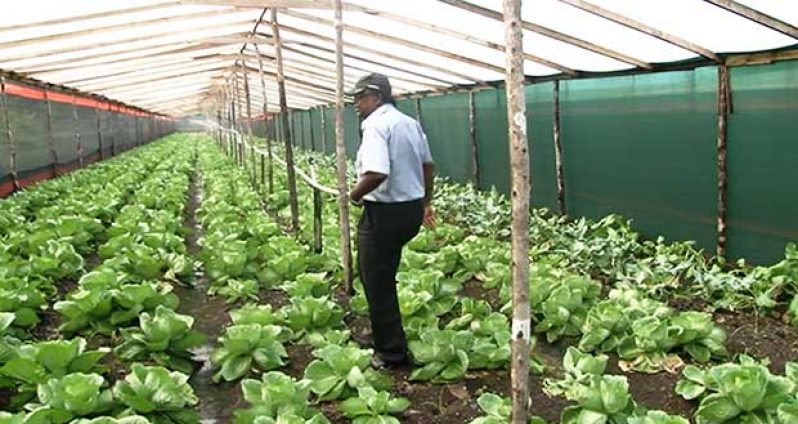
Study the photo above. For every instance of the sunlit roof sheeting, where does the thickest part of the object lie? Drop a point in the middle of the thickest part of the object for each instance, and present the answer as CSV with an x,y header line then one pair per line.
x,y
174,56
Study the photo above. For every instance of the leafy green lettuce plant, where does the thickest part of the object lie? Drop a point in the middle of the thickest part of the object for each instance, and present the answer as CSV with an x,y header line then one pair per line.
x,y
66,398
162,396
340,371
740,392
443,354
277,397
247,346
372,406
497,410
164,337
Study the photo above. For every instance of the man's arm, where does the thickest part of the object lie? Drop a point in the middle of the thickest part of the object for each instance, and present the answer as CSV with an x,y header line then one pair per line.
x,y
429,187
429,182
368,182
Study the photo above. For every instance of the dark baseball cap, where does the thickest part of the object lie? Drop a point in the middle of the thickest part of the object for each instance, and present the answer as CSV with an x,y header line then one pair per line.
x,y
372,82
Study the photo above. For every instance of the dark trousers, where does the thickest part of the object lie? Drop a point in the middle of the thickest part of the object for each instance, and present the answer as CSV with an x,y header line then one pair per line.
x,y
383,230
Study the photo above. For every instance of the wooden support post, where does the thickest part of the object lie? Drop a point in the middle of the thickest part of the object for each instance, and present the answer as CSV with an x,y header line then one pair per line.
x,y
219,121
323,122
99,132
78,144
340,151
417,102
112,116
12,147
724,89
50,138
262,170
289,148
269,136
317,211
558,151
520,194
310,127
472,135
249,116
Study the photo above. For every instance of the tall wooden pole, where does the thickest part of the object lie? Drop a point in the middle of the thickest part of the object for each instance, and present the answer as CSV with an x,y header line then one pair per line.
x,y
267,135
50,138
12,147
323,122
99,132
340,151
78,144
249,116
289,148
723,117
558,151
521,188
472,135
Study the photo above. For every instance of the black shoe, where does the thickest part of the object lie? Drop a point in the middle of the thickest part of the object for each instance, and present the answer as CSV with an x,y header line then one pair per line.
x,y
364,340
380,363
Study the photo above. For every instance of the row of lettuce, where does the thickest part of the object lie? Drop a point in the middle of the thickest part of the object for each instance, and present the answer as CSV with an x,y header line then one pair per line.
x,y
127,212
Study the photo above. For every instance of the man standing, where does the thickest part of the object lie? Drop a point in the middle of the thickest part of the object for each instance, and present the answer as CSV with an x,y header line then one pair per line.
x,y
395,182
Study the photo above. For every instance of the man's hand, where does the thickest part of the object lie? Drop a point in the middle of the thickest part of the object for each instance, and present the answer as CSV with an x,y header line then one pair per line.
x,y
355,201
429,220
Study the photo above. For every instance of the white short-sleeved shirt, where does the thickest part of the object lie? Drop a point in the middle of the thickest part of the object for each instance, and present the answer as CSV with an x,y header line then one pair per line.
x,y
393,144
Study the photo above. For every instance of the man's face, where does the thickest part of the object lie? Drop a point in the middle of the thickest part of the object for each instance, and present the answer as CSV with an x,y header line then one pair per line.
x,y
367,103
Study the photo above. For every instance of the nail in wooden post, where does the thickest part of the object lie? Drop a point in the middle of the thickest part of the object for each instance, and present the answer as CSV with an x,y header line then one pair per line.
x,y
558,151
340,151
289,148
472,135
520,193
78,144
12,148
723,116
50,138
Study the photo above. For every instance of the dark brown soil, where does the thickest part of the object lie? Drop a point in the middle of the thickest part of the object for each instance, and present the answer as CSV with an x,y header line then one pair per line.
x,y
654,391
47,328
760,337
275,297
299,356
5,398
473,288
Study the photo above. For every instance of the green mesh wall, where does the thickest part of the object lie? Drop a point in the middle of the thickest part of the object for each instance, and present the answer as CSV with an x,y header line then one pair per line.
x,y
407,106
5,153
644,147
352,131
63,132
445,120
763,161
306,129
89,139
491,132
316,130
329,129
27,119
539,120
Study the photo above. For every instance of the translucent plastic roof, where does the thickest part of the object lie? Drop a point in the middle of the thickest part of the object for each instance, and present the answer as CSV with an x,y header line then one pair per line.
x,y
175,56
